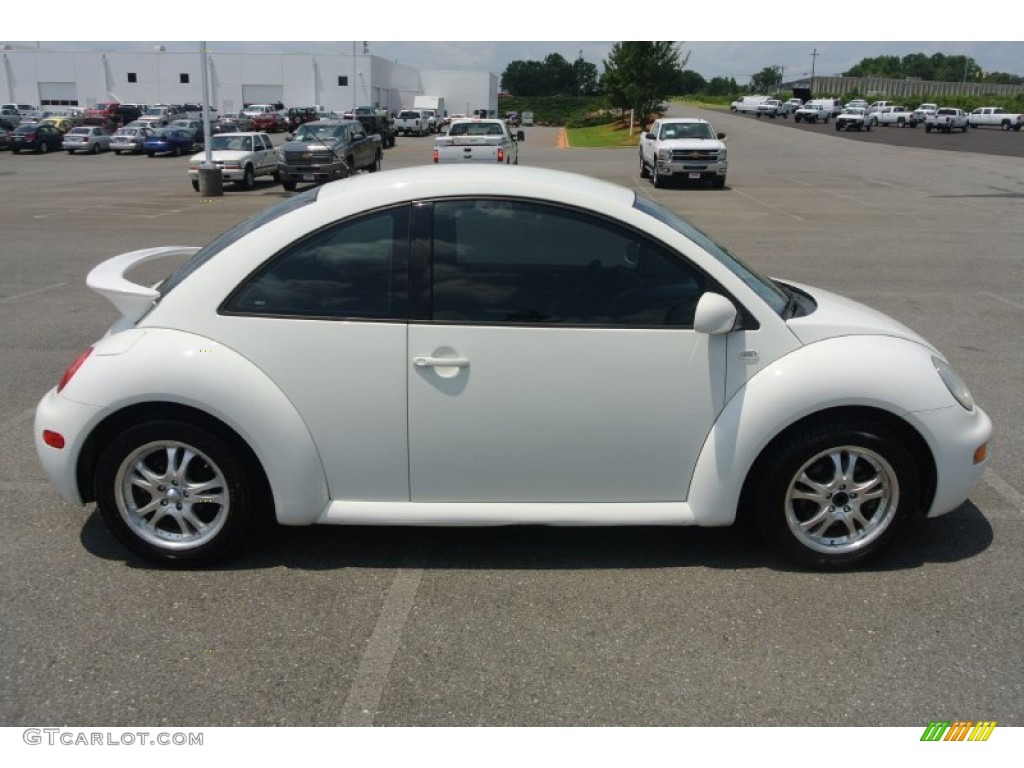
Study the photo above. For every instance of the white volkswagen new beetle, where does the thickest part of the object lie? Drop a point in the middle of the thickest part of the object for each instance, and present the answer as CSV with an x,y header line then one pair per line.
x,y
487,346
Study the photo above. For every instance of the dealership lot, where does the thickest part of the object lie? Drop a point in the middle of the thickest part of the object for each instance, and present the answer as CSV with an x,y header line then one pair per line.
x,y
527,626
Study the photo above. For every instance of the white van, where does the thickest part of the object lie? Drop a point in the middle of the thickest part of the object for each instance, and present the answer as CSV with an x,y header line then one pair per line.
x,y
747,103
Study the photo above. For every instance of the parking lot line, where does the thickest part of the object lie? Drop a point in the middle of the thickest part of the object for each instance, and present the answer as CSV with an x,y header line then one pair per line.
x,y
753,199
364,696
1010,494
1003,299
33,292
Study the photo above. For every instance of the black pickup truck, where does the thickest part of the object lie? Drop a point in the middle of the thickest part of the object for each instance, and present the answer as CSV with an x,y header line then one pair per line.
x,y
325,150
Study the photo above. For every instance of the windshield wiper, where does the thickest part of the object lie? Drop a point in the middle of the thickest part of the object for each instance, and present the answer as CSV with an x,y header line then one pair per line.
x,y
791,303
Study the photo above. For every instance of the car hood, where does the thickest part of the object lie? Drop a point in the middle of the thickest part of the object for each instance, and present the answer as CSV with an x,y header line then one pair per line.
x,y
221,155
685,144
837,315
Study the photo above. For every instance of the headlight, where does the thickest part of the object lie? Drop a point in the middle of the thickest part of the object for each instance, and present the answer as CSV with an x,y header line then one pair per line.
x,y
954,383
665,155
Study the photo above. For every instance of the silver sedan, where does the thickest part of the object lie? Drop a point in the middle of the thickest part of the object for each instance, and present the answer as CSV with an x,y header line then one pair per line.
x,y
129,139
86,138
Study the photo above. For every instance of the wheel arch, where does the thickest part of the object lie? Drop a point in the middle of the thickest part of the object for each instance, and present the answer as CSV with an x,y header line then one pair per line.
x,y
105,431
909,437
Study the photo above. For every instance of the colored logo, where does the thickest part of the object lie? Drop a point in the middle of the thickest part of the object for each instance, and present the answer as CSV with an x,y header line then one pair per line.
x,y
960,730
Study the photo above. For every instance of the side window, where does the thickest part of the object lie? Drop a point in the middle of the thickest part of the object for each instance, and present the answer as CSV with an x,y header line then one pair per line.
x,y
353,269
499,261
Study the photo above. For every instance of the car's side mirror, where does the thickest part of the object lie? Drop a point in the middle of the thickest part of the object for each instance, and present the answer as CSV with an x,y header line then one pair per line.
x,y
721,136
715,315
649,135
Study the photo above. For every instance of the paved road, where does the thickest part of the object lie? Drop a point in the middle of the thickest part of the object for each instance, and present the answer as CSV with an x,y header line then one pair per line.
x,y
527,626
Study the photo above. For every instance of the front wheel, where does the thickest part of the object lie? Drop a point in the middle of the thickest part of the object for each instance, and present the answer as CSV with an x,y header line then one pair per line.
x,y
375,166
44,148
248,178
175,492
289,186
195,184
834,493
644,173
656,178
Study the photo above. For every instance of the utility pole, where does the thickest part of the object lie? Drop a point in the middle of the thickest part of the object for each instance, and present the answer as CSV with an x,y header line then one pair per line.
x,y
814,60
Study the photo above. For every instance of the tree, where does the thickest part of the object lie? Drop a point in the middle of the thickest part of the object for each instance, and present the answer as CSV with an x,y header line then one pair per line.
x,y
559,75
690,82
766,80
638,75
585,75
937,67
722,86
524,78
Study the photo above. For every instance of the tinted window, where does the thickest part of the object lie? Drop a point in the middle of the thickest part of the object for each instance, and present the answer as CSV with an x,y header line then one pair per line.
x,y
518,262
354,269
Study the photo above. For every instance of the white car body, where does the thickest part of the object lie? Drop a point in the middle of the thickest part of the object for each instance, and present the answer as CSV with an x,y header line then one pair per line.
x,y
361,417
996,117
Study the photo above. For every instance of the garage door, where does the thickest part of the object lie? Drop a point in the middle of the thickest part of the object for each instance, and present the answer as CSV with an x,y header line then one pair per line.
x,y
58,95
262,94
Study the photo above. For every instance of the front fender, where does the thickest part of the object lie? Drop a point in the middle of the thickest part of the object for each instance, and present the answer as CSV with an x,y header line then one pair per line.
x,y
882,372
156,365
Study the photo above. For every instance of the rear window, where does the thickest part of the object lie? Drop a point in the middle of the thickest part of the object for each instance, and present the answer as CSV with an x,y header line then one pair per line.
x,y
234,234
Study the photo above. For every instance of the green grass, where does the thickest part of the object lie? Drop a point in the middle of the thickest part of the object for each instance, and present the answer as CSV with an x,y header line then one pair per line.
x,y
609,135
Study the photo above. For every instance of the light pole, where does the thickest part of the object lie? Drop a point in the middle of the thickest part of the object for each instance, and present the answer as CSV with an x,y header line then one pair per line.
x,y
211,183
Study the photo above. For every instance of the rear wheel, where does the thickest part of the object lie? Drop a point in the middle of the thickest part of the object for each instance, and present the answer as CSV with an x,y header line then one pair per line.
x,y
177,150
248,178
195,184
176,493
834,493
376,163
95,149
43,147
289,186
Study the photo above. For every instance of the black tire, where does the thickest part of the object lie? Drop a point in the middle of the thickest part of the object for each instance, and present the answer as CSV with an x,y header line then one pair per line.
x,y
718,182
177,150
964,129
289,186
15,151
1005,125
145,499
248,178
839,127
927,128
656,178
43,147
867,127
375,166
644,173
151,154
195,184
812,471
95,149
71,151
117,151
796,118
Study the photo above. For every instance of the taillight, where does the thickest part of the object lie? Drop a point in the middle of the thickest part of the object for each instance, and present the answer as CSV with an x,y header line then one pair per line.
x,y
73,369
501,155
436,160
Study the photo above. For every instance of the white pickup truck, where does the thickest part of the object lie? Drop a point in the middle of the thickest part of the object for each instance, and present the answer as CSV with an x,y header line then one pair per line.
x,y
683,148
945,120
413,121
478,140
896,115
241,157
996,117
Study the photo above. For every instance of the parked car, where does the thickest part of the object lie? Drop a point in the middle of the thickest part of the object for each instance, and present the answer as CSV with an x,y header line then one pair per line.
x,y
174,141
62,124
39,137
855,118
239,119
86,138
6,129
241,157
299,368
129,139
159,115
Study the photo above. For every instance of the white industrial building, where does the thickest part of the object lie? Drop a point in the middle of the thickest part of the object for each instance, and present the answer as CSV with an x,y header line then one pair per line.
x,y
53,78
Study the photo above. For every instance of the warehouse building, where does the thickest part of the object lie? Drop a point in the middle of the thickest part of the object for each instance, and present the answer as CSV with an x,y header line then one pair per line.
x,y
62,78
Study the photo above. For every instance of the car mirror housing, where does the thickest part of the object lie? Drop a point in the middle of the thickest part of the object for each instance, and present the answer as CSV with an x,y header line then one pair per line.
x,y
715,315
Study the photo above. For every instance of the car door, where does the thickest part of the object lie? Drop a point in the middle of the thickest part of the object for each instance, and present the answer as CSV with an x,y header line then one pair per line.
x,y
557,361
326,320
265,157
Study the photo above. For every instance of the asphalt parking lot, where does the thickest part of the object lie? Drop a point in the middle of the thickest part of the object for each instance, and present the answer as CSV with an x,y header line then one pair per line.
x,y
536,626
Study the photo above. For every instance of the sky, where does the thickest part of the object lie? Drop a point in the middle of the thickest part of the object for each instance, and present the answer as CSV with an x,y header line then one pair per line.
x,y
784,33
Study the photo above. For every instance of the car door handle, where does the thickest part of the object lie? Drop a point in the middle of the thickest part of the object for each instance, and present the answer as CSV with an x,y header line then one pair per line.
x,y
440,362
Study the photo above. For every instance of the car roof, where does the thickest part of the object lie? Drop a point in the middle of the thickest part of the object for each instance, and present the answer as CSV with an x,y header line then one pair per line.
x,y
445,180
682,120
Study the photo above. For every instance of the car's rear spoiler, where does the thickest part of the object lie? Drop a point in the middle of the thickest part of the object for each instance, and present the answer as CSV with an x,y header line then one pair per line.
x,y
131,299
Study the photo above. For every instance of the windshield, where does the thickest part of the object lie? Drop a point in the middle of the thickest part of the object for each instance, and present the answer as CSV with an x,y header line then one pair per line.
x,y
238,143
762,286
312,132
686,131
